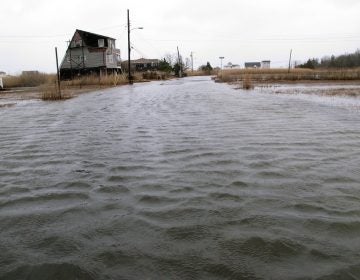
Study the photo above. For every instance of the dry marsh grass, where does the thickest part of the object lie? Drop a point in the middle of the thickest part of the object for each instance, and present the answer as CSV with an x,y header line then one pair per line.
x,y
46,88
247,82
50,92
108,80
201,73
28,80
273,75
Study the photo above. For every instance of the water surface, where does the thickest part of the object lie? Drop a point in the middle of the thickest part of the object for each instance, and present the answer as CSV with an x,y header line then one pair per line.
x,y
183,179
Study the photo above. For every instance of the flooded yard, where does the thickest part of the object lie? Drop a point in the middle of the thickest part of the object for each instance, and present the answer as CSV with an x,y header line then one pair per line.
x,y
182,179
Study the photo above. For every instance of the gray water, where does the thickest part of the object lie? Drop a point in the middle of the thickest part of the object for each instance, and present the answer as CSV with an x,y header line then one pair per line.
x,y
183,179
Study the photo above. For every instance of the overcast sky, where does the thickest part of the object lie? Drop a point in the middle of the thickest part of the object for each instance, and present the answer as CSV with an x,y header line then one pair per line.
x,y
236,29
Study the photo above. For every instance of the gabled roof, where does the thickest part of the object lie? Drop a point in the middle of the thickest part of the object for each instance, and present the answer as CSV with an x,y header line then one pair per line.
x,y
86,33
90,39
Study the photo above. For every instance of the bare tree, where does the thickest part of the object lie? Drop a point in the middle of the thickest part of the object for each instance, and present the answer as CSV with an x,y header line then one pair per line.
x,y
170,58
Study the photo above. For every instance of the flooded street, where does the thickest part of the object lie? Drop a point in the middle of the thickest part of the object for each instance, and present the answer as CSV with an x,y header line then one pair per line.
x,y
182,179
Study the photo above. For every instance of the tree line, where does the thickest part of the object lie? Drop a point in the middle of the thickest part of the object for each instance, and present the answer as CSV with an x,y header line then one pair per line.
x,y
342,61
171,63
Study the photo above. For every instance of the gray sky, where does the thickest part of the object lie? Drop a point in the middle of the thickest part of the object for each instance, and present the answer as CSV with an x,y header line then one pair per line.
x,y
236,29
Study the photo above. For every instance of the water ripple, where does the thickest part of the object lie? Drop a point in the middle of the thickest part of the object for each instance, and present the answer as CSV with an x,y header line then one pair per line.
x,y
182,179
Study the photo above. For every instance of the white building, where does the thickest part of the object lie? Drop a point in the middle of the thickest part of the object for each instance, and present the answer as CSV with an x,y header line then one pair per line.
x,y
229,65
2,74
265,64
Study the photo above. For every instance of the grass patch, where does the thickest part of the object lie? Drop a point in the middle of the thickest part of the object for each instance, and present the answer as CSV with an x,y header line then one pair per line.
x,y
50,92
273,75
190,73
94,80
28,80
247,82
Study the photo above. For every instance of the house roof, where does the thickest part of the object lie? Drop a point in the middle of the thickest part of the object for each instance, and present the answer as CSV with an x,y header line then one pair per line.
x,y
87,34
252,64
144,60
90,39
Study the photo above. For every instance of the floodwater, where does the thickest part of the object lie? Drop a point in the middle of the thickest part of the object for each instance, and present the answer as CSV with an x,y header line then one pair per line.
x,y
183,179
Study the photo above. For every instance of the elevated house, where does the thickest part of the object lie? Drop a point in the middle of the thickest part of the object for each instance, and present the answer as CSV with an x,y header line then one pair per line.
x,y
90,53
142,64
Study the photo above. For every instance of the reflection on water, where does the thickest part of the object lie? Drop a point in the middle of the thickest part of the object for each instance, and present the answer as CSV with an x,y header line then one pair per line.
x,y
185,179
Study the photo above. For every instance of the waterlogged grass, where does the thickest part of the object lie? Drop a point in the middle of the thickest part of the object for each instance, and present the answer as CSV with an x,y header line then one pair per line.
x,y
247,82
51,93
269,75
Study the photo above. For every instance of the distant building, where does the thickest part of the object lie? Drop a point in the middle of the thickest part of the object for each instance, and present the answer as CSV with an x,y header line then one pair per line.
x,y
252,65
2,74
265,64
90,53
229,65
142,64
30,73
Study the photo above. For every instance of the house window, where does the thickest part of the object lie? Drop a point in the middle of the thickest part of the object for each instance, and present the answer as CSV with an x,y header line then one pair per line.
x,y
111,44
79,43
101,43
110,58
68,58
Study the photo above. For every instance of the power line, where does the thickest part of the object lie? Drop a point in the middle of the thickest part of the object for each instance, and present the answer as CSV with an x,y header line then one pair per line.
x,y
23,36
259,39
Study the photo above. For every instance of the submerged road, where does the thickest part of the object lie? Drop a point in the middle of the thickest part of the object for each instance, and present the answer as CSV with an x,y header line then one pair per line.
x,y
182,179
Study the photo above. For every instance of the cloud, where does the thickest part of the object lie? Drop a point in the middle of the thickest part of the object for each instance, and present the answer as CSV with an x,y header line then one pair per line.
x,y
239,30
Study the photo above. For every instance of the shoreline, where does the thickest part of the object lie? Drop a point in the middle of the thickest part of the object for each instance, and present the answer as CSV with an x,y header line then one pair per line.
x,y
35,92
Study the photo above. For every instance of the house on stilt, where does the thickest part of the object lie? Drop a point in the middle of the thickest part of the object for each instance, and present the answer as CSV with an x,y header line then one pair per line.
x,y
89,53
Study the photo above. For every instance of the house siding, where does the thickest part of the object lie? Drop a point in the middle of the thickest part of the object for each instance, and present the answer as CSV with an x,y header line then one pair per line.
x,y
92,59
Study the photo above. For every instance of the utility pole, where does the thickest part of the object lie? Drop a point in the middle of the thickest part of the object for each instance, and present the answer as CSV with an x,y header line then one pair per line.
x,y
290,61
57,72
129,48
180,70
192,61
